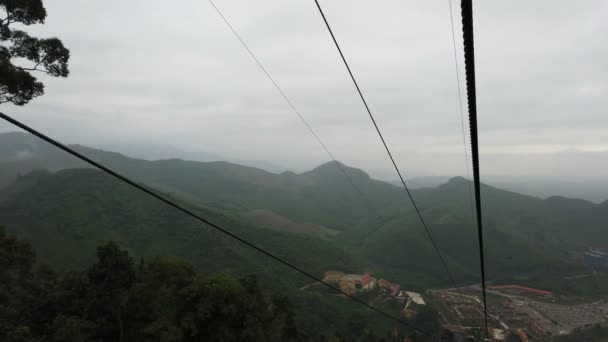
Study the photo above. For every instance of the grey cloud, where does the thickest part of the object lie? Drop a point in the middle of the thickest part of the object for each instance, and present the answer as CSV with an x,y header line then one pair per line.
x,y
145,72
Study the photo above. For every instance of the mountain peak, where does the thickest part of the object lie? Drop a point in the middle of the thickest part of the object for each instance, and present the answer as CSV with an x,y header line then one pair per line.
x,y
331,168
458,180
455,183
329,165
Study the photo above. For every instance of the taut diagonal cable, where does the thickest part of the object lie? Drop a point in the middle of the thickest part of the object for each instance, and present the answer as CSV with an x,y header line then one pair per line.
x,y
198,217
293,107
388,151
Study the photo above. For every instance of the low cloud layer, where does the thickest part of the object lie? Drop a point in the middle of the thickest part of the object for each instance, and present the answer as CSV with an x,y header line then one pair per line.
x,y
172,74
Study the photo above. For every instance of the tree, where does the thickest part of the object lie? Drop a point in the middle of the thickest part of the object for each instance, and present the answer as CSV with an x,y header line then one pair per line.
x,y
16,263
46,55
112,277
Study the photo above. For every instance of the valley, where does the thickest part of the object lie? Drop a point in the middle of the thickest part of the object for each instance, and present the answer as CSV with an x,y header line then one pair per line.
x,y
314,220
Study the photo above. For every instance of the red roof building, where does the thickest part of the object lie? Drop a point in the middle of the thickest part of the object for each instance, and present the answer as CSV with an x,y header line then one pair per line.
x,y
366,279
367,282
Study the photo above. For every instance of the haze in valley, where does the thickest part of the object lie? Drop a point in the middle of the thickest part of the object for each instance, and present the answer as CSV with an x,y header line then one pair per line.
x,y
158,81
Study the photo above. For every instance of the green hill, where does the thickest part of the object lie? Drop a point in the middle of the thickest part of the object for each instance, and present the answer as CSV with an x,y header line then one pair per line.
x,y
67,214
525,236
321,195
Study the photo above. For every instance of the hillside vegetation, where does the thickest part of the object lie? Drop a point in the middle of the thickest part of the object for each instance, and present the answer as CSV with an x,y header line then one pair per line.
x,y
119,298
315,219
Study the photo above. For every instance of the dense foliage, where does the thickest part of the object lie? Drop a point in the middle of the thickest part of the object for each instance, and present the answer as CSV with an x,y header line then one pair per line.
x,y
66,214
117,299
527,239
120,299
46,55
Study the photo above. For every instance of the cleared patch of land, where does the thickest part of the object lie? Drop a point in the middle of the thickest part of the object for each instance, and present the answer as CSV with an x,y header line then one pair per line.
x,y
271,220
333,276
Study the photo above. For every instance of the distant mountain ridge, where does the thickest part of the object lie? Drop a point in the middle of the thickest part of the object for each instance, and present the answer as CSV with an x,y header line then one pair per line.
x,y
218,181
526,235
18,145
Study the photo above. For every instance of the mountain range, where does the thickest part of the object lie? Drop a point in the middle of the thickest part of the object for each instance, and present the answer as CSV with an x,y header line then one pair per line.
x,y
315,219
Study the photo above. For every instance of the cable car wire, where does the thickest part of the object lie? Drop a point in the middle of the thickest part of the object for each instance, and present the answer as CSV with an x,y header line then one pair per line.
x,y
469,62
292,106
198,217
371,116
464,139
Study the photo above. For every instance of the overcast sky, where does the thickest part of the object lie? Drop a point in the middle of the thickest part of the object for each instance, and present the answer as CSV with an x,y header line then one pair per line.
x,y
171,73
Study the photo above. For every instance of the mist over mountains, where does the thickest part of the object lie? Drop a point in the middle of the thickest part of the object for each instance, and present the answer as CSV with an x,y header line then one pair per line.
x,y
593,190
527,237
159,151
17,145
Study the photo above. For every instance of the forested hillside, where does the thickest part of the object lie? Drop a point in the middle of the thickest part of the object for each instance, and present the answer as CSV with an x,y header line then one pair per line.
x,y
66,215
525,235
120,298
314,220
322,195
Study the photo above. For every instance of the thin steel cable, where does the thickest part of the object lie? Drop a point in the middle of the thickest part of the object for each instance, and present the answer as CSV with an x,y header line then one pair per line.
x,y
196,216
291,105
430,236
464,139
469,63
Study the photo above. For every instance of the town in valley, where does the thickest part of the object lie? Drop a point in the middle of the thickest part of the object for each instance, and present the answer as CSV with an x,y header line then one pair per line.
x,y
515,312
